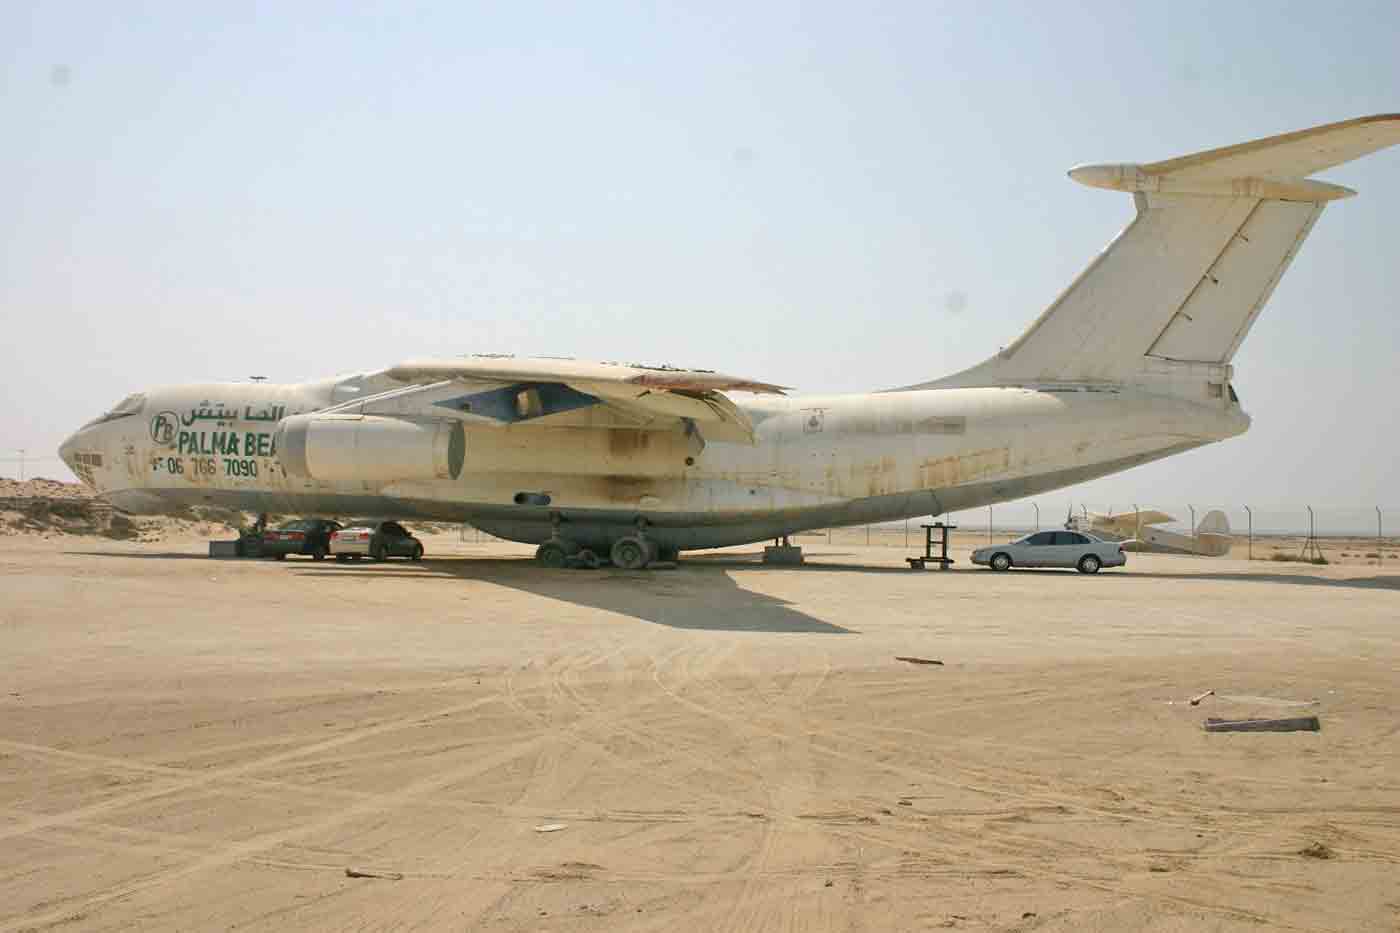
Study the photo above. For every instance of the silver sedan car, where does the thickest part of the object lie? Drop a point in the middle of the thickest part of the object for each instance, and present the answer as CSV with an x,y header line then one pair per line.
x,y
1074,549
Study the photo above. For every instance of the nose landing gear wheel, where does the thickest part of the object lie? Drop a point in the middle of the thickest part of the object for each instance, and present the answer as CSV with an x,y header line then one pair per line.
x,y
631,553
552,554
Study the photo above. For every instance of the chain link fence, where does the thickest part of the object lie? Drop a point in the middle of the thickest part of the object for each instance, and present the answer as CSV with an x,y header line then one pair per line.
x,y
20,465
1301,531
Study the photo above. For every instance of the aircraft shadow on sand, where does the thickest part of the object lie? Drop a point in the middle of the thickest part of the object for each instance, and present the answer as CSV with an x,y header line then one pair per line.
x,y
1376,582
694,596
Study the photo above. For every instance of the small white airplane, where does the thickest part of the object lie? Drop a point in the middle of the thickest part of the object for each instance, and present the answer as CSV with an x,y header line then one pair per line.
x,y
1130,364
1138,532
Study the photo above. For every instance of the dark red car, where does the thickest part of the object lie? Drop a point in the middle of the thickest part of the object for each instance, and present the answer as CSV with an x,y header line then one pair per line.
x,y
309,536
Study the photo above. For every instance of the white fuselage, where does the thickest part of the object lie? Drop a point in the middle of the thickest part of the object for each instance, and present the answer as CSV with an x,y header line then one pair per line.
x,y
816,461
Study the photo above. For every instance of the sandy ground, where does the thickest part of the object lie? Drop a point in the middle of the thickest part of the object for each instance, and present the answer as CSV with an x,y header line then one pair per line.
x,y
196,744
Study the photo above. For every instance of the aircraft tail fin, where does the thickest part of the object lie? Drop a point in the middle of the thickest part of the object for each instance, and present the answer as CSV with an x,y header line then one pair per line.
x,y
1215,522
1179,289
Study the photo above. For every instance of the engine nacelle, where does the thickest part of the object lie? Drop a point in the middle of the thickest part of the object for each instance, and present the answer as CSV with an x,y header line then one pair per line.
x,y
370,448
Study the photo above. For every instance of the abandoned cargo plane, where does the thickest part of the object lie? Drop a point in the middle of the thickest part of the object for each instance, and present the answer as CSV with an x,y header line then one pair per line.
x,y
1130,364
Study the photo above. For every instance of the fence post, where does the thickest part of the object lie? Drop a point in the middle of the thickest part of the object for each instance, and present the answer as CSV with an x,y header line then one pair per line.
x,y
1194,545
1310,548
1037,515
1250,512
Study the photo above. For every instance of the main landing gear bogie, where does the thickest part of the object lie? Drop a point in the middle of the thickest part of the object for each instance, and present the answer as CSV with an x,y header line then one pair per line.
x,y
630,552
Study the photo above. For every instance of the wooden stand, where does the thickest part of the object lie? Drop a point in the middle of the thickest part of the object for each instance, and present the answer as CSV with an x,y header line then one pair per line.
x,y
941,559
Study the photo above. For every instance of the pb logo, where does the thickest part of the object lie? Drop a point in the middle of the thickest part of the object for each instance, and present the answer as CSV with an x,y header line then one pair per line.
x,y
163,428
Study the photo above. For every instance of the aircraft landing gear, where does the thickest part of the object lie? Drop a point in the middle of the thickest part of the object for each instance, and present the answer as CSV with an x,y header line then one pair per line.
x,y
635,551
554,553
632,552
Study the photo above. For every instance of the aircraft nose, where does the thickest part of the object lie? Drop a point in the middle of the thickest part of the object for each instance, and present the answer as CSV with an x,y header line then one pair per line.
x,y
67,449
69,453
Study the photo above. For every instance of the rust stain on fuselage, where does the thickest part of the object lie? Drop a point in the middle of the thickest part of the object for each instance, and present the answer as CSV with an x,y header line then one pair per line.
x,y
963,468
627,442
623,489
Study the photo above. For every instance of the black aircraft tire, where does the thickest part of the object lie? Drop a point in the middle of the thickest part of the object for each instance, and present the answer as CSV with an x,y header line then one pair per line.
x,y
631,553
551,554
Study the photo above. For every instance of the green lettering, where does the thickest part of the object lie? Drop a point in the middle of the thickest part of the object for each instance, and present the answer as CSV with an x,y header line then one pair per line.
x,y
182,441
264,445
250,443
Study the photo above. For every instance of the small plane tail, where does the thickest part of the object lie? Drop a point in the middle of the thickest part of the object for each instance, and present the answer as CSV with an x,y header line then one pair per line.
x,y
1211,538
1176,293
1214,523
1213,535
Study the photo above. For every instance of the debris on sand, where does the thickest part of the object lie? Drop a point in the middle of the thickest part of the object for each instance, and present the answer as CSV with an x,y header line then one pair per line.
x,y
551,827
1316,850
1196,700
1298,724
917,660
384,875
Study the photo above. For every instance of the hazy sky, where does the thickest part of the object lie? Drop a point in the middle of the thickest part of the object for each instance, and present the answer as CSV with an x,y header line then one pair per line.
x,y
812,194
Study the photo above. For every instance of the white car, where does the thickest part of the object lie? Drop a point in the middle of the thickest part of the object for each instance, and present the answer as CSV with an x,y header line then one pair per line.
x,y
1074,549
375,539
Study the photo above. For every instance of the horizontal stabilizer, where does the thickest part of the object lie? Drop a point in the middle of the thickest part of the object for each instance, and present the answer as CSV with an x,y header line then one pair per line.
x,y
1171,299
1287,156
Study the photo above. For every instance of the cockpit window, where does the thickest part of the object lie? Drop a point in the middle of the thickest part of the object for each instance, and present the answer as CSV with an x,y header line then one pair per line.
x,y
131,405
